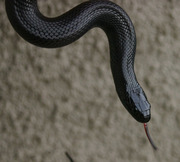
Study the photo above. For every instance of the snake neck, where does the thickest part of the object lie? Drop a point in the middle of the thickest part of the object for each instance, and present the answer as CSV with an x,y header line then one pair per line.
x,y
122,43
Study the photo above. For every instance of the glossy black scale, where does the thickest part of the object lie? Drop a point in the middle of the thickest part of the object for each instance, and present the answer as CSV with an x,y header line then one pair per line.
x,y
65,29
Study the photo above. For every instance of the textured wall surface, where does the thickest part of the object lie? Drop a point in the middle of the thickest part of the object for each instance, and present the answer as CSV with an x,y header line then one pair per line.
x,y
57,100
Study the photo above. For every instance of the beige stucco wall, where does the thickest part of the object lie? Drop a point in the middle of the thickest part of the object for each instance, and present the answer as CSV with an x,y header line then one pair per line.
x,y
57,100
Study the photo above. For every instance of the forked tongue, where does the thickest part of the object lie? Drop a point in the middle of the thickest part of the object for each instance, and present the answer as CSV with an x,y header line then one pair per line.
x,y
149,137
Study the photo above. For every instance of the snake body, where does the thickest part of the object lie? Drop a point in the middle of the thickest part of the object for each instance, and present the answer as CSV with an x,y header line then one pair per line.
x,y
41,31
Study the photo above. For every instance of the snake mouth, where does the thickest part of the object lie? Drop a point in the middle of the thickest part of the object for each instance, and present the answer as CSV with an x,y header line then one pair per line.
x,y
146,116
140,116
144,119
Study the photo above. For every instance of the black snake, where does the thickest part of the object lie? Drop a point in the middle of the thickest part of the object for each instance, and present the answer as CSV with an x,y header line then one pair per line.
x,y
42,31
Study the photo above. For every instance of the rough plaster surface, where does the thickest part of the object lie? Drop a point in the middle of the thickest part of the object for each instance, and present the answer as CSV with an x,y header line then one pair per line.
x,y
58,100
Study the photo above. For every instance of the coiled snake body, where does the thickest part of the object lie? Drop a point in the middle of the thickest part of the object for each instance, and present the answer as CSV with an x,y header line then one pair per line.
x,y
65,29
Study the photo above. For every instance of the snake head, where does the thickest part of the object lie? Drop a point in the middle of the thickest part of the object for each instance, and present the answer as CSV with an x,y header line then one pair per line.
x,y
138,105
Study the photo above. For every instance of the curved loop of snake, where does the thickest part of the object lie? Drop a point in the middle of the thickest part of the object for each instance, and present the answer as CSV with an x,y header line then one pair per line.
x,y
39,30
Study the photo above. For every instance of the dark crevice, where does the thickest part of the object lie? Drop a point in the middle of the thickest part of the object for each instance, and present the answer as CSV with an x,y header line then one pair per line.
x,y
69,157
